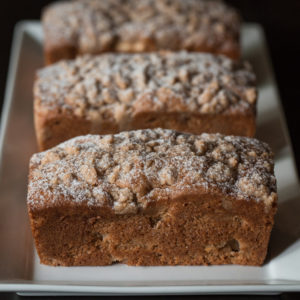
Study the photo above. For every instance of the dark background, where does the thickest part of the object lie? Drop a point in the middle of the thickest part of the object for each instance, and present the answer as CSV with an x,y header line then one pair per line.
x,y
281,22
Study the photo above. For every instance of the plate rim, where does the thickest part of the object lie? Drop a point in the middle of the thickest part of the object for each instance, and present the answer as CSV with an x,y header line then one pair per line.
x,y
30,287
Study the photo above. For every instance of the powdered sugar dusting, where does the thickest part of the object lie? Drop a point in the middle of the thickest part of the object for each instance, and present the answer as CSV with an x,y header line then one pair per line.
x,y
119,87
93,26
130,169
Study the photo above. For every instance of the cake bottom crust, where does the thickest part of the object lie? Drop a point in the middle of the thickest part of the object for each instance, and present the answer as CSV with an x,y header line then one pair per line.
x,y
190,230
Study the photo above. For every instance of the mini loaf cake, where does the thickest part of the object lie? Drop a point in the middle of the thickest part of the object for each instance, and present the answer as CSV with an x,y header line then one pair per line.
x,y
153,197
189,92
93,26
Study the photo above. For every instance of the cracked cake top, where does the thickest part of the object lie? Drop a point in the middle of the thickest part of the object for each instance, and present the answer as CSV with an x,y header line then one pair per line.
x,y
126,171
93,26
123,85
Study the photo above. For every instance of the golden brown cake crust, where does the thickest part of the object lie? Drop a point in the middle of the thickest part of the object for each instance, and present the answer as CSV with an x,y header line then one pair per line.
x,y
92,26
109,93
153,197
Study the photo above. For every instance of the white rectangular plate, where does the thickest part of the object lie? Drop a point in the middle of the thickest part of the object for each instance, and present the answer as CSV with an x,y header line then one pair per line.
x,y
20,269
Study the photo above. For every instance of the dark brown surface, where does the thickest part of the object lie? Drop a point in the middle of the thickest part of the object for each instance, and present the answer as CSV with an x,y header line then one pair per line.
x,y
282,25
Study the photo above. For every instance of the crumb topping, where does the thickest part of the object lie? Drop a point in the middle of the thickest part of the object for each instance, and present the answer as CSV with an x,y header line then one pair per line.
x,y
128,170
120,86
94,26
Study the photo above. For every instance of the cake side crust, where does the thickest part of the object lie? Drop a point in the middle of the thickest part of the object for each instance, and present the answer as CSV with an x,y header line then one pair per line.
x,y
54,128
192,229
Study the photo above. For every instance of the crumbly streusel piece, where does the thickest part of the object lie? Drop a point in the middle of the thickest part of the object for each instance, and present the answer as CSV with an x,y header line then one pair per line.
x,y
153,197
189,92
92,26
